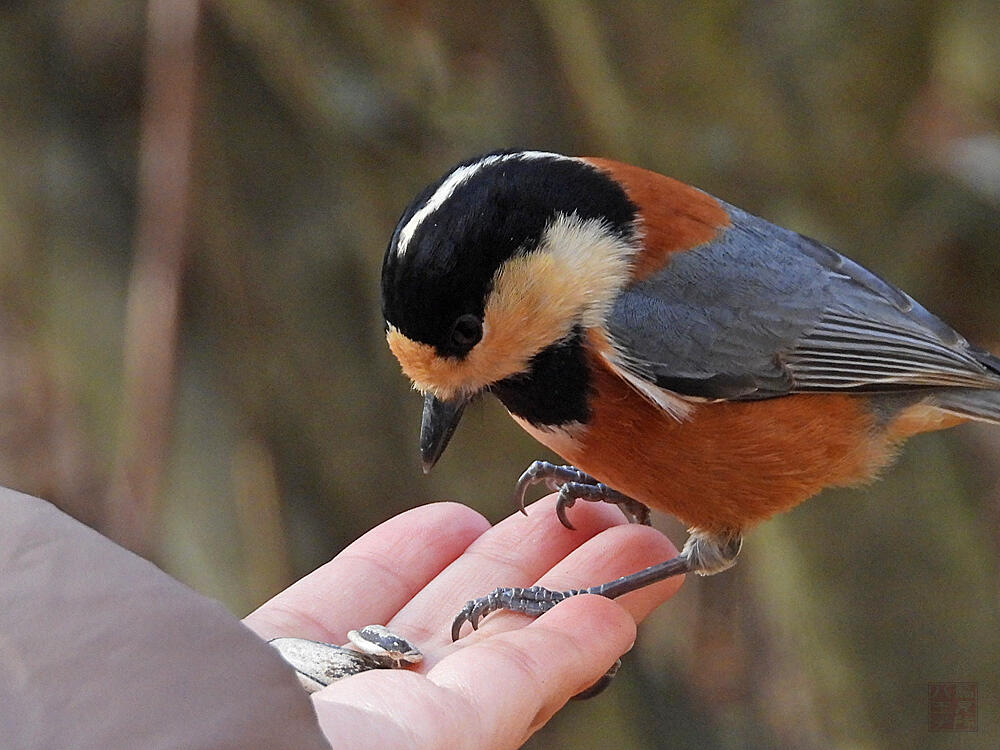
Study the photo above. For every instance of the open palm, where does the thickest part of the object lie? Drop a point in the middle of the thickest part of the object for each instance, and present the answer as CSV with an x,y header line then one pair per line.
x,y
495,687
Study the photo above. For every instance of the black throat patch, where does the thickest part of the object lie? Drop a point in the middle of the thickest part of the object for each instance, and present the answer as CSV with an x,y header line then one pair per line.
x,y
555,388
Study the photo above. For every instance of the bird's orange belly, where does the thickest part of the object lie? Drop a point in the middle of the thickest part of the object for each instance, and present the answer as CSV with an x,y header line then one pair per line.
x,y
731,464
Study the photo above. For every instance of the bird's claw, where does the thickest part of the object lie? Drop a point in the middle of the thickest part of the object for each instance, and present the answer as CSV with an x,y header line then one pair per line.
x,y
570,492
574,485
553,476
635,511
526,479
532,601
473,611
564,502
601,685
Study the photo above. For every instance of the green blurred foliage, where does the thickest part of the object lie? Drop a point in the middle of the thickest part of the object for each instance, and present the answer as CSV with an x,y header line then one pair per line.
x,y
874,126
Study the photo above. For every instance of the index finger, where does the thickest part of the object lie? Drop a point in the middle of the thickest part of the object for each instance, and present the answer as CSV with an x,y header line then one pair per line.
x,y
371,580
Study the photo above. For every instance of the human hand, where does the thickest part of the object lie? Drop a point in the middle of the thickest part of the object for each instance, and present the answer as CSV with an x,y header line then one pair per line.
x,y
495,687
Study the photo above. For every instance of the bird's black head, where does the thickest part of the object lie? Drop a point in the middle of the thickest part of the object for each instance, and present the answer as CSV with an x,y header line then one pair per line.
x,y
452,240
504,258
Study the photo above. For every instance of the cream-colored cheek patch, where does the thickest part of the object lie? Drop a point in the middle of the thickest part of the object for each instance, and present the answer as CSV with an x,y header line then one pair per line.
x,y
537,299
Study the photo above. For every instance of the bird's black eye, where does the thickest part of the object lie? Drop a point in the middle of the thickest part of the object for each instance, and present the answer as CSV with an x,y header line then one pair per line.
x,y
465,333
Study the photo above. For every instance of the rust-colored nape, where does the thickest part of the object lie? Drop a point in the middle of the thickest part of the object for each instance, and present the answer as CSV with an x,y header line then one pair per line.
x,y
675,217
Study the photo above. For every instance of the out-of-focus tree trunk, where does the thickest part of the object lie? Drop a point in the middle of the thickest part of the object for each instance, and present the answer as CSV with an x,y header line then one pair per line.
x,y
42,448
154,294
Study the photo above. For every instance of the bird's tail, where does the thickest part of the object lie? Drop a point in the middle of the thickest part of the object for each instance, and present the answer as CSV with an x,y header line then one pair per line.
x,y
979,404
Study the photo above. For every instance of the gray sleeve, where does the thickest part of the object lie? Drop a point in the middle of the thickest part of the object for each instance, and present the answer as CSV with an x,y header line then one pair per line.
x,y
100,649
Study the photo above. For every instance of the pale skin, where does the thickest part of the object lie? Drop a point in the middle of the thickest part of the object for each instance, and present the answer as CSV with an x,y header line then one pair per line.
x,y
494,688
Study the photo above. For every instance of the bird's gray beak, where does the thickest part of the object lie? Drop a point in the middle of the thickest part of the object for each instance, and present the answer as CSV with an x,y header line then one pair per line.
x,y
437,426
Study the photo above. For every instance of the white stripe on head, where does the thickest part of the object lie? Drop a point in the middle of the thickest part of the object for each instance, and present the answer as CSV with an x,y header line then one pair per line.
x,y
457,178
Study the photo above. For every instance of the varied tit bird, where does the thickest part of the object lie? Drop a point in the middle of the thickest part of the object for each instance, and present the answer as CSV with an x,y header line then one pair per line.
x,y
678,352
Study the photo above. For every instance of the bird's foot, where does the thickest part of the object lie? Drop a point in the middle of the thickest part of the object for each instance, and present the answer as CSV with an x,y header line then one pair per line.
x,y
574,485
705,553
532,601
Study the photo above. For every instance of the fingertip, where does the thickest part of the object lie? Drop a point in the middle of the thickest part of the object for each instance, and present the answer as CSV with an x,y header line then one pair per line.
x,y
444,512
455,515
396,559
449,524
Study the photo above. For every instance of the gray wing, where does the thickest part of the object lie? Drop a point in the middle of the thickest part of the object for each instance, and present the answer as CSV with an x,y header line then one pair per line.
x,y
763,311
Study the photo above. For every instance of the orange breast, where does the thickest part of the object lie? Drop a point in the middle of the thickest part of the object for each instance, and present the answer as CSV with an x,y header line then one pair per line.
x,y
731,464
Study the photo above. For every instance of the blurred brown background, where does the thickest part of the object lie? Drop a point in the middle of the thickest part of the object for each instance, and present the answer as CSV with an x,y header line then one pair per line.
x,y
194,202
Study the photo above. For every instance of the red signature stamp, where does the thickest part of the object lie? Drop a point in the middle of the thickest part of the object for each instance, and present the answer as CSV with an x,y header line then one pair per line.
x,y
952,707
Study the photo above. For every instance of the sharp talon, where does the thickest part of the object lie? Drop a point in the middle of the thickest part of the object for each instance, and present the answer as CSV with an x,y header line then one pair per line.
x,y
572,485
561,514
521,488
460,619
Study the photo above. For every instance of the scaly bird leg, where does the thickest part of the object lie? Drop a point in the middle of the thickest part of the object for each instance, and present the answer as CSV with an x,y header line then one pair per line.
x,y
574,485
704,553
